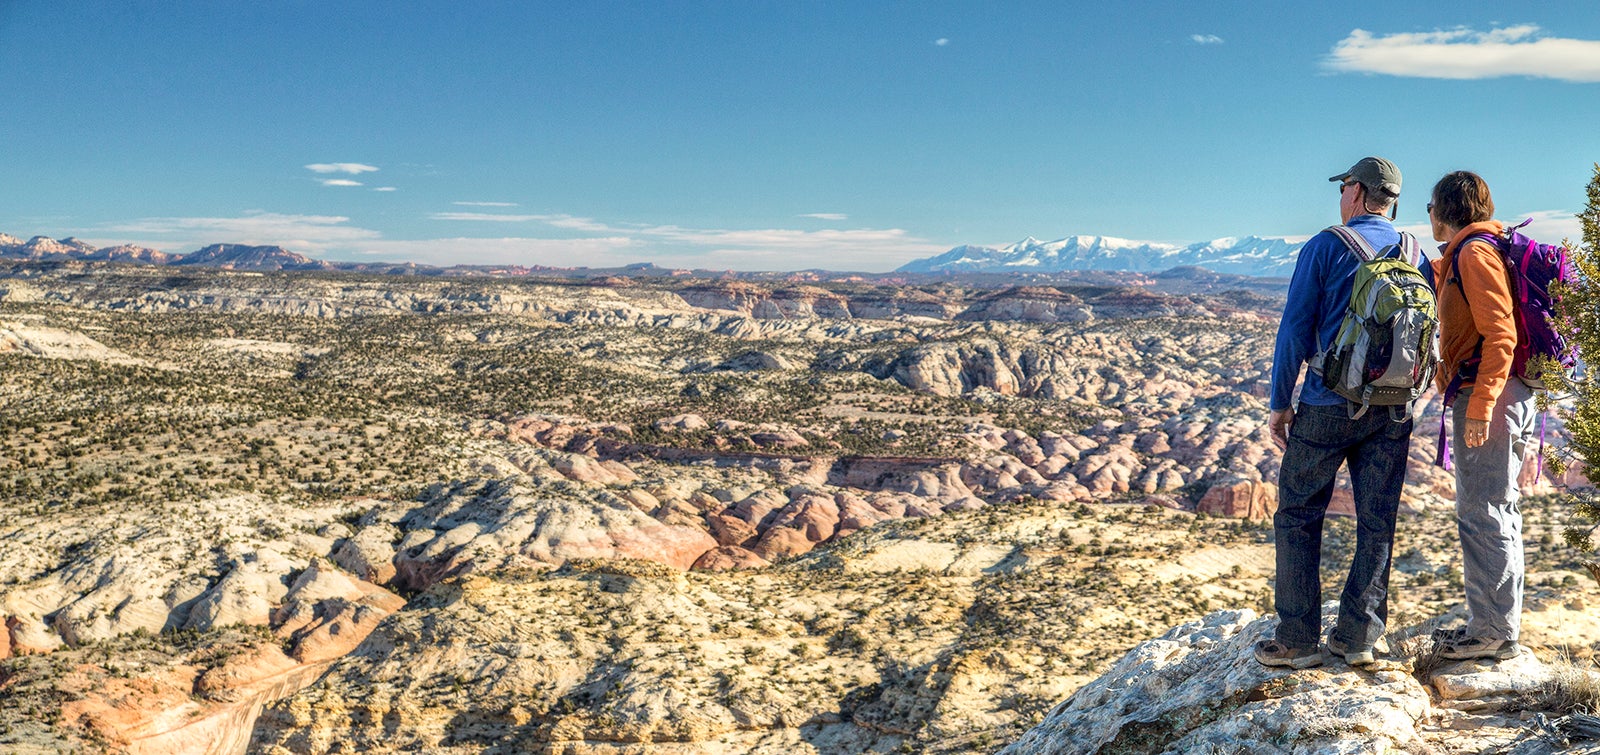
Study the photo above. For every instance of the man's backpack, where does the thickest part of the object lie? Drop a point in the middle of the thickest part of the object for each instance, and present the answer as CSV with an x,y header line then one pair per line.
x,y
1537,272
1387,346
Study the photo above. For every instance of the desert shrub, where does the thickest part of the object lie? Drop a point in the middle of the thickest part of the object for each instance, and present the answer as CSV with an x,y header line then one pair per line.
x,y
1581,310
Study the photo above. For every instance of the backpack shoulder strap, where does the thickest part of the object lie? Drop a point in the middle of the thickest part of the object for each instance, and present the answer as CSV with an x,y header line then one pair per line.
x,y
1410,250
1355,242
1455,258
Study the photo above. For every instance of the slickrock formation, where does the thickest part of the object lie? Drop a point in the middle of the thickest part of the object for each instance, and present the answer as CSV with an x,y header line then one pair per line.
x,y
785,303
206,568
57,343
1197,688
942,635
542,521
925,634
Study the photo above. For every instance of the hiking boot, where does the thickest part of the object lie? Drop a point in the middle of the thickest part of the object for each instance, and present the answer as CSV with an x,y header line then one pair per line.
x,y
1352,657
1478,647
1274,653
1454,634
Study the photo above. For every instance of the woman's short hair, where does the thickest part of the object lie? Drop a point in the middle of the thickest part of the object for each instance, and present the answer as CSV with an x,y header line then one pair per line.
x,y
1462,198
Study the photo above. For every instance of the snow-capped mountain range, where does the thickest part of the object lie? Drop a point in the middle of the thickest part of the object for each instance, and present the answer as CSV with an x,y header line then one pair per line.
x,y
1251,255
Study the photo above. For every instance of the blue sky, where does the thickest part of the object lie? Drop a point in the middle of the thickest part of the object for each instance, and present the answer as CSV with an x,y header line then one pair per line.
x,y
768,135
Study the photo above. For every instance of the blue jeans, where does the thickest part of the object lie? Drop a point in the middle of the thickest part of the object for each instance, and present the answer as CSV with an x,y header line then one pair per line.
x,y
1375,448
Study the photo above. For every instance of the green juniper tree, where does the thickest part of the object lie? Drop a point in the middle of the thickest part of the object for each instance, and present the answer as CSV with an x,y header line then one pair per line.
x,y
1581,309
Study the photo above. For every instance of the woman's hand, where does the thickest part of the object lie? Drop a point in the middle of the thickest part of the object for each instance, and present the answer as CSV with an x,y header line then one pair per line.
x,y
1475,432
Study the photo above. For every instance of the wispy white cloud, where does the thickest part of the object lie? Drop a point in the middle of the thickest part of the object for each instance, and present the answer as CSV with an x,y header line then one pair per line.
x,y
1551,226
351,168
1468,54
484,204
590,252
340,182
305,233
384,188
586,225
769,248
564,222
826,215
766,248
1423,232
484,217
1548,226
941,42
1205,39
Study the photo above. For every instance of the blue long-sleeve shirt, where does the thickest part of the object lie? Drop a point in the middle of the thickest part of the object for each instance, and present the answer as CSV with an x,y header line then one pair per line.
x,y
1318,295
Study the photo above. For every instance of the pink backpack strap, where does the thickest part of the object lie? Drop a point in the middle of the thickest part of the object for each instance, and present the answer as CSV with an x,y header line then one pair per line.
x,y
1410,248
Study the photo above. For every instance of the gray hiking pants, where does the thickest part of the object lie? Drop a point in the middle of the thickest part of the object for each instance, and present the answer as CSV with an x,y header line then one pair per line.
x,y
1487,515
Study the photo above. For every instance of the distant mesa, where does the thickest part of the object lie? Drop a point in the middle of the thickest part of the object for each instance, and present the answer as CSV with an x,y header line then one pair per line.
x,y
225,256
242,257
132,254
41,247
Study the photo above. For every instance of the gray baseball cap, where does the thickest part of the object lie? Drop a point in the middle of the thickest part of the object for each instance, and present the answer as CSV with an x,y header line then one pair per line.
x,y
1375,173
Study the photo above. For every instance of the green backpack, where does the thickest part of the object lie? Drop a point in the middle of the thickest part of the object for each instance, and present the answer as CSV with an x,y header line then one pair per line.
x,y
1387,346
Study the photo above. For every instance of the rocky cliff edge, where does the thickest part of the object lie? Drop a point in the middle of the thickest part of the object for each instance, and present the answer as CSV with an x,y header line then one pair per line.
x,y
1198,689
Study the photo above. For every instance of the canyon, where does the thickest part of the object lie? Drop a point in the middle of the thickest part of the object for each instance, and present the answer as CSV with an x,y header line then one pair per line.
x,y
315,510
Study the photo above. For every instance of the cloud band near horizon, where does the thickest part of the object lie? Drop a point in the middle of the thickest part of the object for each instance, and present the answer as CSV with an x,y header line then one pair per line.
x,y
605,245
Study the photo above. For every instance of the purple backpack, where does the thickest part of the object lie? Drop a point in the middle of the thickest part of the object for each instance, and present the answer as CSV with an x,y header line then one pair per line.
x,y
1537,272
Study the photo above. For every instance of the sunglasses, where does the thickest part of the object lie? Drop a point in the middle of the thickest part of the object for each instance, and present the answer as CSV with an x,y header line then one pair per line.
x,y
1346,185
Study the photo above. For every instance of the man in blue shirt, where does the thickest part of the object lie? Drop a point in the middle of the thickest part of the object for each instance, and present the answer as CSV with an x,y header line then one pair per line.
x,y
1321,434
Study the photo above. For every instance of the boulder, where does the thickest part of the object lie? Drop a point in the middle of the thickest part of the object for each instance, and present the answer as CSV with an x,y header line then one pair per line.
x,y
783,542
759,508
1252,500
731,530
1052,466
370,553
814,514
1481,685
641,500
778,438
682,423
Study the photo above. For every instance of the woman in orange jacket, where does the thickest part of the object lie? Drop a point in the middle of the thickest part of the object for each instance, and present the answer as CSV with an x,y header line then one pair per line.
x,y
1492,414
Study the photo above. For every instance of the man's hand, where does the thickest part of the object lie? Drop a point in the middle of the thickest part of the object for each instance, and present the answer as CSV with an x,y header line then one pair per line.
x,y
1475,432
1279,425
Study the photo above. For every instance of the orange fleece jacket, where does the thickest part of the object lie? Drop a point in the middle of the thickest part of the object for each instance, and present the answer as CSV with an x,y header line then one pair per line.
x,y
1487,312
